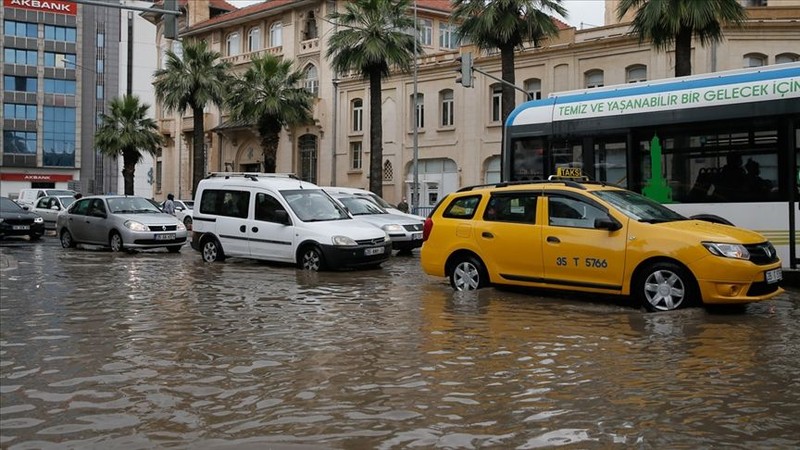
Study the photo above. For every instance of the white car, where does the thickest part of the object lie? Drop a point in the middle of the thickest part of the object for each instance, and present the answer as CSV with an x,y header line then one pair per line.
x,y
405,232
49,207
183,211
338,190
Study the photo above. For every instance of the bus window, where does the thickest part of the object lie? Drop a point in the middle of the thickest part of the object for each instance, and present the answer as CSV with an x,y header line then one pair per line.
x,y
527,159
610,162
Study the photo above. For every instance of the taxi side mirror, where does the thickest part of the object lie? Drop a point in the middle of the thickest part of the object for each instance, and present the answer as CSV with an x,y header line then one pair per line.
x,y
607,223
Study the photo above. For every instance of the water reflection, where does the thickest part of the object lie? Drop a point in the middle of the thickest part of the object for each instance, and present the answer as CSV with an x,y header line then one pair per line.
x,y
159,350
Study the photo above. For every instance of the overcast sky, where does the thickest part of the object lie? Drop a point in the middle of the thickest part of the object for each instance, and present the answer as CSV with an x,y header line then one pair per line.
x,y
588,12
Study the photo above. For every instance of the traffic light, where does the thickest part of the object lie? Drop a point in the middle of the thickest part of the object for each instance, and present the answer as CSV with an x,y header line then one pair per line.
x,y
170,20
464,70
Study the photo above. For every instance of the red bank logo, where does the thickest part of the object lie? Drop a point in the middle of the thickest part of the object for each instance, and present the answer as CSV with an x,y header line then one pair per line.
x,y
54,6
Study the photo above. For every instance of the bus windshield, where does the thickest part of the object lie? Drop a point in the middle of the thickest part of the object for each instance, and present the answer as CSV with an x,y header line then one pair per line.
x,y
639,207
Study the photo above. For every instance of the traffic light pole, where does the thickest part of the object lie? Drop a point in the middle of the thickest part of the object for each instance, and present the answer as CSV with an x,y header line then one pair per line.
x,y
527,95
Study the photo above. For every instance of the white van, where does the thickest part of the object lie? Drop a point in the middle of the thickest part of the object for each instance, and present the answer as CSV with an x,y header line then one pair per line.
x,y
281,218
27,197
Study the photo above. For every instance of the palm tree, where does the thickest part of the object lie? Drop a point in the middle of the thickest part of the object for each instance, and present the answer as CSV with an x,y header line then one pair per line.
x,y
668,22
127,131
268,95
372,38
506,25
193,81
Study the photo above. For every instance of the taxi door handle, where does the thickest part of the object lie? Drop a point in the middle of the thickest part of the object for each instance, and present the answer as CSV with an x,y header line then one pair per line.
x,y
553,239
487,235
243,228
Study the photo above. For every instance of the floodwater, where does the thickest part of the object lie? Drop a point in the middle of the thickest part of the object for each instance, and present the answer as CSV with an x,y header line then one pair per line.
x,y
154,350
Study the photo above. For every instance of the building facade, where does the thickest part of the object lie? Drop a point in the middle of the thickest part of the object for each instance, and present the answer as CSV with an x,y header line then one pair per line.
x,y
457,130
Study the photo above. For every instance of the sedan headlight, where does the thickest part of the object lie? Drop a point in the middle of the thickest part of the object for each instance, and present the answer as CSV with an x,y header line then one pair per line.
x,y
38,220
393,228
181,226
736,251
344,241
135,226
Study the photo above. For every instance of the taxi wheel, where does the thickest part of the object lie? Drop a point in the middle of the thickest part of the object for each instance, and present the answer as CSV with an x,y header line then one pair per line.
x,y
664,286
311,259
66,239
115,242
468,274
212,251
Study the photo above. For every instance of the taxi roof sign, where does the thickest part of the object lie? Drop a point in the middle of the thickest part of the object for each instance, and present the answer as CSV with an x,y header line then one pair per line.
x,y
569,172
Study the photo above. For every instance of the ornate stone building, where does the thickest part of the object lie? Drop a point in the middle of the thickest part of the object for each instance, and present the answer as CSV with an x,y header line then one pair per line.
x,y
458,129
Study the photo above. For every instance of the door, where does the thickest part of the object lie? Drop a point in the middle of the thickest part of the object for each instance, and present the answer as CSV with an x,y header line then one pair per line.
x,y
76,220
576,254
42,208
233,208
271,233
96,227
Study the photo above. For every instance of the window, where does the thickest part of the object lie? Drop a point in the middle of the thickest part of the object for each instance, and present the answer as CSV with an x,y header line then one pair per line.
x,y
276,34
356,155
311,82
20,84
19,142
60,60
358,114
59,136
418,111
254,39
497,102
517,207
159,169
101,40
99,92
19,56
566,211
232,44
308,157
20,29
223,202
388,171
56,86
784,58
55,33
754,60
448,113
448,38
19,111
533,86
636,74
462,207
311,27
100,66
594,79
267,207
426,32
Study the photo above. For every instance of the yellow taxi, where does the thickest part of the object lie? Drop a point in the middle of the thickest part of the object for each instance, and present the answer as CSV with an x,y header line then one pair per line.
x,y
591,237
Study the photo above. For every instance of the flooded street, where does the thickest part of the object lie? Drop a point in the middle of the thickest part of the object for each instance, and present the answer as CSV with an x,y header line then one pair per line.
x,y
159,350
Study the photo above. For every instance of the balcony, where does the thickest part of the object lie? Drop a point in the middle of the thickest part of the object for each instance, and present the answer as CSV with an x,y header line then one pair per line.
x,y
166,126
244,58
309,46
187,126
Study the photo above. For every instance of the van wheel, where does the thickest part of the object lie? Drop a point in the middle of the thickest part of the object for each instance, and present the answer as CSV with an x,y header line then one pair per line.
x,y
66,239
212,251
664,286
311,259
115,242
468,274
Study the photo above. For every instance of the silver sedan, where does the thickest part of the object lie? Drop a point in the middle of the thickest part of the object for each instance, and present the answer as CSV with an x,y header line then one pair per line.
x,y
119,222
50,207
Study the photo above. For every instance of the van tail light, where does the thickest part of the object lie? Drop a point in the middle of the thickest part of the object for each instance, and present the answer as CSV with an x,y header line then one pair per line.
x,y
426,229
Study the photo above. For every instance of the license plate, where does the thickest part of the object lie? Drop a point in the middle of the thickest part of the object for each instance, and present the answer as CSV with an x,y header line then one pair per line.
x,y
373,251
21,227
416,236
773,276
165,237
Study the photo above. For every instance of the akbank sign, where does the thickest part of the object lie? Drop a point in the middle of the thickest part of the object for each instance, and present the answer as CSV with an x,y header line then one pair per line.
x,y
53,6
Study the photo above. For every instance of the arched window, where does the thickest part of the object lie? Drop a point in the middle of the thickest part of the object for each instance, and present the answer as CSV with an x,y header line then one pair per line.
x,y
754,60
307,146
276,34
636,73
254,39
388,171
447,108
357,108
533,86
233,46
784,58
418,110
594,79
311,82
310,31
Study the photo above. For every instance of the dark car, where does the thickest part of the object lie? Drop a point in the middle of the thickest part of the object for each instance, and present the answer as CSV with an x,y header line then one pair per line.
x,y
15,221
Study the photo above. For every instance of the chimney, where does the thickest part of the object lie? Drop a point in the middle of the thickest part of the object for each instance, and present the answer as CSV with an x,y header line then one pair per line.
x,y
198,11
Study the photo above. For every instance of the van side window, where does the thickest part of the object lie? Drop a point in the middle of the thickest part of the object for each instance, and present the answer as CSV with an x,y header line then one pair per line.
x,y
266,206
225,202
518,207
570,212
462,207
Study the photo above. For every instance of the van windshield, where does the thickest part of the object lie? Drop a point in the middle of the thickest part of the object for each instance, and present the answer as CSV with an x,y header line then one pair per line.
x,y
313,205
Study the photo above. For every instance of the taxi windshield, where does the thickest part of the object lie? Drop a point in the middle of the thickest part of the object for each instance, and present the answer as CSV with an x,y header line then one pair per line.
x,y
639,207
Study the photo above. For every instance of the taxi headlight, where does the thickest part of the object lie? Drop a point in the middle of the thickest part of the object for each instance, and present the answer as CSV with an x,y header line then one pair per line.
x,y
38,220
736,251
135,226
344,241
393,228
181,226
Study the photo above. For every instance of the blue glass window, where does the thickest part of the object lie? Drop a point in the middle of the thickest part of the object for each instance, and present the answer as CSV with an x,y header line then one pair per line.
x,y
56,33
55,86
19,142
59,136
19,111
19,56
21,84
62,60
21,29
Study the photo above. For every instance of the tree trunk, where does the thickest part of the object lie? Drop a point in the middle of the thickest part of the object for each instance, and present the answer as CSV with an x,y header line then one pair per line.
x,y
128,168
375,134
509,93
199,149
270,138
683,52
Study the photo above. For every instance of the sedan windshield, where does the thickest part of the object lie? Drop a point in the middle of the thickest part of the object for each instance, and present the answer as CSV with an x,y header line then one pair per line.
x,y
639,207
361,206
313,205
8,205
131,205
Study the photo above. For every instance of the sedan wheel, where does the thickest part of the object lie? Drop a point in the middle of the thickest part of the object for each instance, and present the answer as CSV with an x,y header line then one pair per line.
x,y
212,251
116,242
66,239
467,275
665,287
312,259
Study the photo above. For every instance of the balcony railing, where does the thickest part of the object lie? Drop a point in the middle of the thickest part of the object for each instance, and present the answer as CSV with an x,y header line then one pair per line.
x,y
309,46
244,58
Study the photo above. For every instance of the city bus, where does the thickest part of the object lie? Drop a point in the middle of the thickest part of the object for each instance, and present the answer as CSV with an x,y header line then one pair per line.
x,y
722,146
